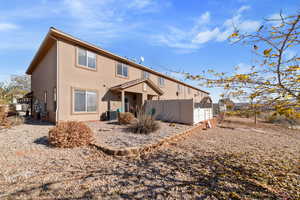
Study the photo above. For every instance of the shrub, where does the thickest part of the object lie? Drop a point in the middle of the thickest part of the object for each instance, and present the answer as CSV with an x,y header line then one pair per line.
x,y
144,124
125,118
70,134
276,118
3,116
270,118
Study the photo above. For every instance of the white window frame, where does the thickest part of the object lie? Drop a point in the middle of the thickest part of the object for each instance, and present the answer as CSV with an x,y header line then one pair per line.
x,y
87,58
161,81
86,105
145,74
122,69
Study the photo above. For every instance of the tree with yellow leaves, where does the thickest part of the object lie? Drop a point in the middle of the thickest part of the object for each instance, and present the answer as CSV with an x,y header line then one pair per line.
x,y
274,80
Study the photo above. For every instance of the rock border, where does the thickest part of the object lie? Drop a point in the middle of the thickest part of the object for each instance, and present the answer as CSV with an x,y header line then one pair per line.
x,y
133,151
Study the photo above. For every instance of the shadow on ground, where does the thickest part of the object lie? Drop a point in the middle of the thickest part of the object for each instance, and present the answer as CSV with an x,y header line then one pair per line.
x,y
42,141
32,121
158,176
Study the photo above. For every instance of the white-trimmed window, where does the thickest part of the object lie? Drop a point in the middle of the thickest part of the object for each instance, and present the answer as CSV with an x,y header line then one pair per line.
x,y
122,70
161,81
85,101
86,58
145,74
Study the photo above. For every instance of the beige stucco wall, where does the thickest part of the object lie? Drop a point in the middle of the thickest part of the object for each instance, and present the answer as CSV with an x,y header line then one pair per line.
x,y
44,79
72,76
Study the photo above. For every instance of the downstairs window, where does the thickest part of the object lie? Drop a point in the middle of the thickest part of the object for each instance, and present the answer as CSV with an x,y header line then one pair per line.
x,y
85,101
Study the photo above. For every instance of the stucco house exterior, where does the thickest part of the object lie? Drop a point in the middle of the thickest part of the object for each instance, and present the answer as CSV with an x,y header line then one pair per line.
x,y
75,80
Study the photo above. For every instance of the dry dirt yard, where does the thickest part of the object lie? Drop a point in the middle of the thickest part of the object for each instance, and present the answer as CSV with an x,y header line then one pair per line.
x,y
112,135
238,161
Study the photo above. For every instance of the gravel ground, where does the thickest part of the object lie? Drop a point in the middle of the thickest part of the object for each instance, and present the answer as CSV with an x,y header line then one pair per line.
x,y
238,161
111,134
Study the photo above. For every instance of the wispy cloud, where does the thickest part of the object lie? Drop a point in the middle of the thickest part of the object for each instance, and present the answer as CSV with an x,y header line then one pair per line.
x,y
108,19
99,20
140,4
181,39
148,6
205,36
8,26
243,8
202,32
202,20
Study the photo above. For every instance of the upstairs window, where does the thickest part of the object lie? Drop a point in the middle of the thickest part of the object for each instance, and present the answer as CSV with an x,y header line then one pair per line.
x,y
122,70
161,81
86,58
145,74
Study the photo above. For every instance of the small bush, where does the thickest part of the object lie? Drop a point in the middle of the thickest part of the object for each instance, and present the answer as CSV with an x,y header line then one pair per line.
x,y
145,124
70,134
270,118
3,117
2,114
276,118
125,118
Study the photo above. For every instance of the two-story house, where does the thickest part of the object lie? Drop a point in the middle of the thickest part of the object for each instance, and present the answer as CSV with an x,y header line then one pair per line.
x,y
76,80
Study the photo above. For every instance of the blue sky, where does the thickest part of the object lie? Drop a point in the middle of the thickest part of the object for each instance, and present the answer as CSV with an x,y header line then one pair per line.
x,y
176,35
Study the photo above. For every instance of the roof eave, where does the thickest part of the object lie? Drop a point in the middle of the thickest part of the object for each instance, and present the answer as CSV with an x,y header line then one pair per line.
x,y
55,33
31,65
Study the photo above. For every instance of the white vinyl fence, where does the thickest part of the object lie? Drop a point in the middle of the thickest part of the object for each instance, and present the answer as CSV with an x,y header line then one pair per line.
x,y
202,114
178,110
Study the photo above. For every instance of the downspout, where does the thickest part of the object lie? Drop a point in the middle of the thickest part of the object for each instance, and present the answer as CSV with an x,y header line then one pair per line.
x,y
57,81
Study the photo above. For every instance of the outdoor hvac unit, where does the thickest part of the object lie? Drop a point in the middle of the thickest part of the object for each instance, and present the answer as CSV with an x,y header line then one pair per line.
x,y
112,115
